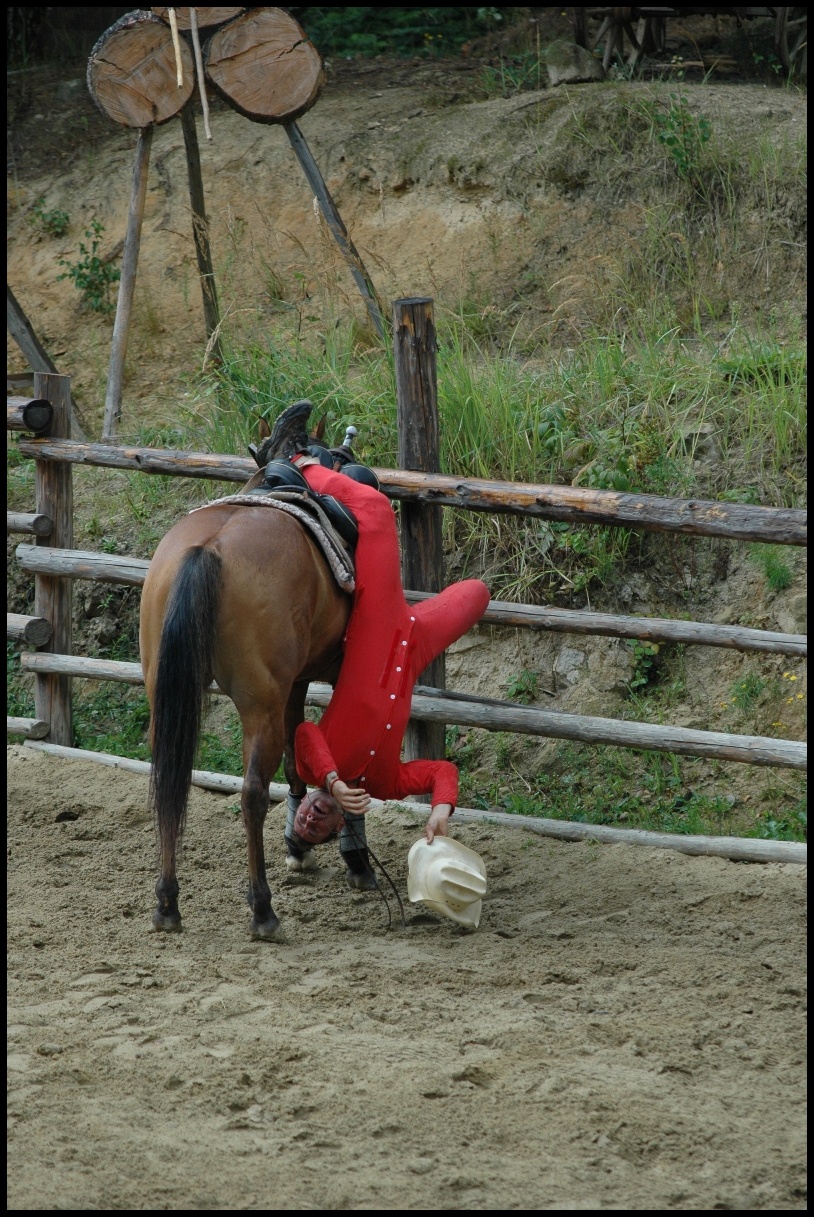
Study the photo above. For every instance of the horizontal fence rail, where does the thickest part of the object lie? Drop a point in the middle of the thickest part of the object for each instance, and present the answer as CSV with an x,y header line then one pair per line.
x,y
36,631
28,414
117,568
501,716
572,504
744,849
33,522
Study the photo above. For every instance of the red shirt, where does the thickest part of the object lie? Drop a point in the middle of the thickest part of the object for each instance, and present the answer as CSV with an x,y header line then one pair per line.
x,y
388,643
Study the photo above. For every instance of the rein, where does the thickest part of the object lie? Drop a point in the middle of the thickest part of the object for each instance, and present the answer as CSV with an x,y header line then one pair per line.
x,y
360,844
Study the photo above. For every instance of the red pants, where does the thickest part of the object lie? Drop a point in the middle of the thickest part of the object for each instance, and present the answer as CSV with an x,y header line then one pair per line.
x,y
388,643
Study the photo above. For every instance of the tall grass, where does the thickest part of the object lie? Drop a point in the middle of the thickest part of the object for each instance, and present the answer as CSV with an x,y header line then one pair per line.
x,y
643,409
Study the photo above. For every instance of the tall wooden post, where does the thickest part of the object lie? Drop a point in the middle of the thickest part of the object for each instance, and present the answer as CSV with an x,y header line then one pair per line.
x,y
127,284
53,597
336,224
422,554
200,228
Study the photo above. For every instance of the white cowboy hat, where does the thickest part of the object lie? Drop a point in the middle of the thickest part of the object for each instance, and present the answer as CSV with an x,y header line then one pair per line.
x,y
447,877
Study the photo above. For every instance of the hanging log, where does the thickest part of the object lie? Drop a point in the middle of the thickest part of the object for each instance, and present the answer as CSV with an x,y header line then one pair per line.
x,y
264,65
132,74
206,16
32,415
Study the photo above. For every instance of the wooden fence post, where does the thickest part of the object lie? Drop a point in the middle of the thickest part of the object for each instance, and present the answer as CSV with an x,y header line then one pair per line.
x,y
53,596
422,554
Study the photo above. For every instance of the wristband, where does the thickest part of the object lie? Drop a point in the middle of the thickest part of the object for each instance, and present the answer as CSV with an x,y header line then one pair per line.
x,y
330,780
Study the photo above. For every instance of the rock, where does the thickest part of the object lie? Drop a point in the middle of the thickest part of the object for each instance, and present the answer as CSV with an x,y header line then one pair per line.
x,y
568,663
567,63
611,667
792,616
699,439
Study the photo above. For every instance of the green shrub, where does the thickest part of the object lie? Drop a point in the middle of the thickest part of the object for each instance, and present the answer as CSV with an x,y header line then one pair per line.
x,y
91,275
53,223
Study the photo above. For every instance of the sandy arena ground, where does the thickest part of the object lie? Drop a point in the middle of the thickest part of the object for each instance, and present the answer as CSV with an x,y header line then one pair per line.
x,y
625,1030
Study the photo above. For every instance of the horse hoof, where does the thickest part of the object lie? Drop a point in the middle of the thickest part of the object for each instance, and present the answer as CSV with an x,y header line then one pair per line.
x,y
267,931
306,862
366,882
166,923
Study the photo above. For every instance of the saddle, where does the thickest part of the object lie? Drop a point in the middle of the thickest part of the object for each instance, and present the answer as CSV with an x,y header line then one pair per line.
x,y
336,546
281,479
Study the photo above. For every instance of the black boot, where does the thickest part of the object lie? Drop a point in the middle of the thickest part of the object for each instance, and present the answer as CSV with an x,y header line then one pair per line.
x,y
288,436
359,874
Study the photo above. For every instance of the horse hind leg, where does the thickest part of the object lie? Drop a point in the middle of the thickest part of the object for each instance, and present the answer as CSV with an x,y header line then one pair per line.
x,y
262,755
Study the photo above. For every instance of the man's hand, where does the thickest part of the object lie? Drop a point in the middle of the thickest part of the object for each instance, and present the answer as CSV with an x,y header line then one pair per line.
x,y
438,821
356,801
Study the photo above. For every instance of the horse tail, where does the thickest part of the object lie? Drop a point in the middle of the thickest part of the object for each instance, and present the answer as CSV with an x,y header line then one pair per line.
x,y
184,672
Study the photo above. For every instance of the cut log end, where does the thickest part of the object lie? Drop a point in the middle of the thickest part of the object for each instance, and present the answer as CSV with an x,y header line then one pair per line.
x,y
206,16
132,72
264,65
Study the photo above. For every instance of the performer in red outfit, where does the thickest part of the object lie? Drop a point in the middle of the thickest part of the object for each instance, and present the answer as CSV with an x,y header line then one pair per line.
x,y
387,644
355,751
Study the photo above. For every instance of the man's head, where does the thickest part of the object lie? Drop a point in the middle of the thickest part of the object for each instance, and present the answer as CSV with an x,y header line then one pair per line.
x,y
319,817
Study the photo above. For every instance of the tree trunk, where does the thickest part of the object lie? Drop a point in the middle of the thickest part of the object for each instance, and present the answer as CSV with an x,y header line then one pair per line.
x,y
264,65
132,72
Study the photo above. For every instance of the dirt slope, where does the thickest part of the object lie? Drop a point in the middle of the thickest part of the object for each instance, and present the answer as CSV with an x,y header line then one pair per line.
x,y
625,1030
522,202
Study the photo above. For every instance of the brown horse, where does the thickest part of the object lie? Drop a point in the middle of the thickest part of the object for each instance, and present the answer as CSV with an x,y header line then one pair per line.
x,y
243,596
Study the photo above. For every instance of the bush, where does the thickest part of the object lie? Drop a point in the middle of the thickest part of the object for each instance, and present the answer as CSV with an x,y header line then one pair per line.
x,y
91,275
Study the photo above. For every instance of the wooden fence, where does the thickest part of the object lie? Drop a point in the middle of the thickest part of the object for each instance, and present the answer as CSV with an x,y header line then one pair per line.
x,y
423,493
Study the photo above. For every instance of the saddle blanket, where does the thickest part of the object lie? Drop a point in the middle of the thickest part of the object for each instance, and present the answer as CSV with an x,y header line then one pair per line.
x,y
313,518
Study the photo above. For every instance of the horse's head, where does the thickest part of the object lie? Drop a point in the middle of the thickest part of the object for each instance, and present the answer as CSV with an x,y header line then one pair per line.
x,y
263,433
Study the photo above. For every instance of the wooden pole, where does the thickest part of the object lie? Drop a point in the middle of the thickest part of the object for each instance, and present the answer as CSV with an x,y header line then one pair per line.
x,y
500,716
34,631
334,221
200,231
24,521
29,728
646,629
118,568
743,849
576,504
422,553
124,305
38,358
24,414
53,597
